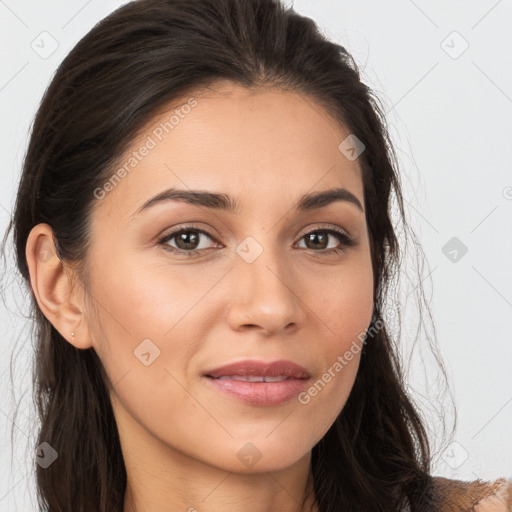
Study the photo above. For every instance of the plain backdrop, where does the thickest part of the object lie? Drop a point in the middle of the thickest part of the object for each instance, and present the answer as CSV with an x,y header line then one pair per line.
x,y
443,73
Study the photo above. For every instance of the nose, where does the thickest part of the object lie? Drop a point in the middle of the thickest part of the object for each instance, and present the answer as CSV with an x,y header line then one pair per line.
x,y
264,295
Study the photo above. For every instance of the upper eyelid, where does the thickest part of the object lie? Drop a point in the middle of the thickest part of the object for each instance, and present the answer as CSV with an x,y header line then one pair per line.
x,y
337,229
186,227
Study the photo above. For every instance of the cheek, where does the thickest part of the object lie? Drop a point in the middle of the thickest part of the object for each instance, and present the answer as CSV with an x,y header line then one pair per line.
x,y
151,309
144,300
145,340
342,306
343,303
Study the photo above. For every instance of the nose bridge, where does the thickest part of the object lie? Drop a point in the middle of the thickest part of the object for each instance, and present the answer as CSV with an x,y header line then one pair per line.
x,y
265,295
262,261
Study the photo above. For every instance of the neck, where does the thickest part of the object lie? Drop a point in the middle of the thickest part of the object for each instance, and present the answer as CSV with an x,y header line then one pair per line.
x,y
192,486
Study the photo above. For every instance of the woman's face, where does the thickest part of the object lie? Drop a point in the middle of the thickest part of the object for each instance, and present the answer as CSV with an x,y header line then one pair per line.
x,y
259,282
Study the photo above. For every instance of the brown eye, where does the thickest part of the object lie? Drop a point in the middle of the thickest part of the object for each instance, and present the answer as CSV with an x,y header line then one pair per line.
x,y
187,240
318,240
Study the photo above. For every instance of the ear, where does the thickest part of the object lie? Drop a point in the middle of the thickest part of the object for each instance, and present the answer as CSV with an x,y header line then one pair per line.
x,y
55,287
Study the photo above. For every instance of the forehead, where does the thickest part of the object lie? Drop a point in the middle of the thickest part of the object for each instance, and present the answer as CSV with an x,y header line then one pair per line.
x,y
261,145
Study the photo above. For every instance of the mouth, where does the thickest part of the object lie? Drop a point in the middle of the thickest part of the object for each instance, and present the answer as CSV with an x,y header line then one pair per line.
x,y
259,370
252,378
259,383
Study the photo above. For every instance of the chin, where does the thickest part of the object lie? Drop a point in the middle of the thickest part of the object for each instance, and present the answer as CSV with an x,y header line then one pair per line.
x,y
255,456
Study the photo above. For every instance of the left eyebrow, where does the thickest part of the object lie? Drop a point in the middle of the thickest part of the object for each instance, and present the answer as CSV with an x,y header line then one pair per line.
x,y
219,201
325,198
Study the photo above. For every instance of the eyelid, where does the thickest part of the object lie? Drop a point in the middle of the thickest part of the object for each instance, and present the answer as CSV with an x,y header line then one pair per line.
x,y
176,230
314,227
345,239
186,227
326,227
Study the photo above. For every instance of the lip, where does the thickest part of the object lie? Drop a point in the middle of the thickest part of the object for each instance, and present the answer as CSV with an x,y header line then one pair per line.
x,y
266,369
262,394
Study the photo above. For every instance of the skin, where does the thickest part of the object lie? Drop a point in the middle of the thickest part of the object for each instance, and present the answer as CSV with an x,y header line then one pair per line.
x,y
180,438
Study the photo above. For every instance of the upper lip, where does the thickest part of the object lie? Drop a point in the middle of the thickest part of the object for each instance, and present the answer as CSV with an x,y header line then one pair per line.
x,y
260,368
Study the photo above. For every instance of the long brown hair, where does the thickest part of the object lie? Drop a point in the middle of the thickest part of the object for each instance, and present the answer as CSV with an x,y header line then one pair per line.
x,y
376,455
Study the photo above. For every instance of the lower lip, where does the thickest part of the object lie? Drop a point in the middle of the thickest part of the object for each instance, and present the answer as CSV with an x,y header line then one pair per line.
x,y
260,393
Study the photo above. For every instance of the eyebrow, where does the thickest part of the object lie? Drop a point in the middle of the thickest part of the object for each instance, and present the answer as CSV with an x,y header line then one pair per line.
x,y
219,201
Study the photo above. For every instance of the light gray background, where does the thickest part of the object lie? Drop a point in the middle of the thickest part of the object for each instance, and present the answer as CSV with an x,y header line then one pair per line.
x,y
449,110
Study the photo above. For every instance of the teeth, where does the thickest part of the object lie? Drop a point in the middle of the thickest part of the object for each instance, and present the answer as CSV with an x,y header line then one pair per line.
x,y
253,378
279,378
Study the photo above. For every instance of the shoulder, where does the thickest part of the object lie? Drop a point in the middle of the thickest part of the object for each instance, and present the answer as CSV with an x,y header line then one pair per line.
x,y
476,496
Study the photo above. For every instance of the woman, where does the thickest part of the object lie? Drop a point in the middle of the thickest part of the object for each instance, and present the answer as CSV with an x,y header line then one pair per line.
x,y
204,222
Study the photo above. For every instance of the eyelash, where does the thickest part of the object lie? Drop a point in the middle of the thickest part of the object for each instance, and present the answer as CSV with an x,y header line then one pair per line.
x,y
345,240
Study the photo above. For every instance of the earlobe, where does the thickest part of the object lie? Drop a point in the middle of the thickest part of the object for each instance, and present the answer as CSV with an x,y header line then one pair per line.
x,y
52,285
